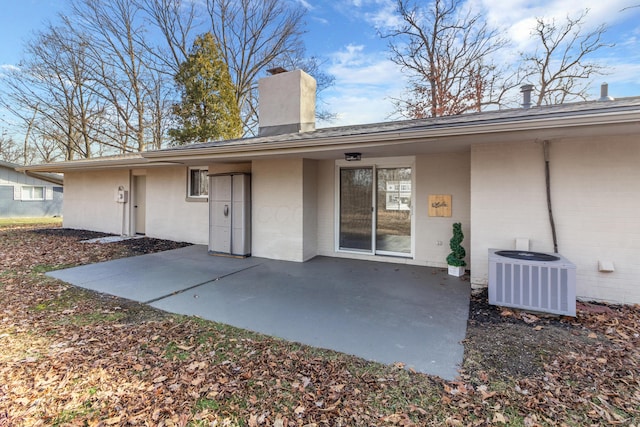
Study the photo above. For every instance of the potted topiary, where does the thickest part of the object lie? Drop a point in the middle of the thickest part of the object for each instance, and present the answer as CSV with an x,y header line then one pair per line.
x,y
455,259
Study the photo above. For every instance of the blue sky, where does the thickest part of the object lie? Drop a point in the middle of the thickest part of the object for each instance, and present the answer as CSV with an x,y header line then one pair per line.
x,y
343,35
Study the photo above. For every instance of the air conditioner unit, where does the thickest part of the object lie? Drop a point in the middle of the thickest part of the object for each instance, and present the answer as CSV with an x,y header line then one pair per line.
x,y
534,281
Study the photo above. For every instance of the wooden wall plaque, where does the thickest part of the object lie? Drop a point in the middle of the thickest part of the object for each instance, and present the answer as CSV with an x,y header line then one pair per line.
x,y
440,205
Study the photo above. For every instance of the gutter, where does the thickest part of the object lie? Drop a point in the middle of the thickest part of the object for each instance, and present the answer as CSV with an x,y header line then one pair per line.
x,y
320,143
95,163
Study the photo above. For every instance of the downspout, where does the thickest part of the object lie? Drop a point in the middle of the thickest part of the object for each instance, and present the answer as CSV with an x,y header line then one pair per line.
x,y
545,147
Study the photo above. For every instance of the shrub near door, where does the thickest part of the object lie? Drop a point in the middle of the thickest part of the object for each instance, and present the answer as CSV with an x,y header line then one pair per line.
x,y
455,260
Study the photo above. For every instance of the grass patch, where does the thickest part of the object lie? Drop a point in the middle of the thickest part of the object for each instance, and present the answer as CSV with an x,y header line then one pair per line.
x,y
206,404
67,416
45,268
175,352
85,319
21,222
67,299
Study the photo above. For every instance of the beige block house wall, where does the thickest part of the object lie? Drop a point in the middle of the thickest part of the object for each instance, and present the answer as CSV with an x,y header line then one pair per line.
x,y
596,205
310,209
277,220
168,213
89,201
446,173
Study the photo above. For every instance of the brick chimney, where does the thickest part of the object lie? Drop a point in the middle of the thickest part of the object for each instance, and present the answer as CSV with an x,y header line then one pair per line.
x,y
286,102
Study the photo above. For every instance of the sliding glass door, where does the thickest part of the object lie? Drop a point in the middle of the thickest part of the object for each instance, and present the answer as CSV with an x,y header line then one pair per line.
x,y
375,210
393,211
356,212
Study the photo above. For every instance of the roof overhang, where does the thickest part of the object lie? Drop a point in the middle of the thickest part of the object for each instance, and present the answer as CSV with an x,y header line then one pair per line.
x,y
457,137
399,139
98,163
59,180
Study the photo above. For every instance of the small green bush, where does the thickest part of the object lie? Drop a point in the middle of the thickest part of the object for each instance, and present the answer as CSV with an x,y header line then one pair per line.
x,y
456,257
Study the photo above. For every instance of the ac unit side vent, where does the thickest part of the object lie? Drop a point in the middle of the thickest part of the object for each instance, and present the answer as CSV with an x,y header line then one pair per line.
x,y
548,287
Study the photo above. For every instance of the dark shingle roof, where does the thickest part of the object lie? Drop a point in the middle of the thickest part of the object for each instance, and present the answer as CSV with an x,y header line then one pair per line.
x,y
486,117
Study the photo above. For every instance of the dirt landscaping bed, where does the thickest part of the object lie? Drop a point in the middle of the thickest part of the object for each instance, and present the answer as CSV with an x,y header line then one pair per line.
x,y
73,357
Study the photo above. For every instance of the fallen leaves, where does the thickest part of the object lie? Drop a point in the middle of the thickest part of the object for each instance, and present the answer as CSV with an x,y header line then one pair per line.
x,y
71,357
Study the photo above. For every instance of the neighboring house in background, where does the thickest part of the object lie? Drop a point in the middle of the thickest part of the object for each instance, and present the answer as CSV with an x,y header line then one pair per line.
x,y
30,194
327,191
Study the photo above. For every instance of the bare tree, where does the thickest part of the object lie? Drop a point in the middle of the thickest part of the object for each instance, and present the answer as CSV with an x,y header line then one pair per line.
x,y
175,20
254,35
9,150
100,80
49,93
119,51
446,51
313,66
559,67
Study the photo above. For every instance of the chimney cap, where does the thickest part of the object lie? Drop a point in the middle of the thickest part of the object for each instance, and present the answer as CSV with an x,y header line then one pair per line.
x,y
276,70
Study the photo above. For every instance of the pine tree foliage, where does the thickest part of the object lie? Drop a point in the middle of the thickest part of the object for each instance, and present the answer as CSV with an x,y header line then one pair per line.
x,y
208,109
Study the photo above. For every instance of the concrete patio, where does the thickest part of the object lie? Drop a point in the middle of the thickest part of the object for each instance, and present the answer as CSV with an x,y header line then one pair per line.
x,y
378,311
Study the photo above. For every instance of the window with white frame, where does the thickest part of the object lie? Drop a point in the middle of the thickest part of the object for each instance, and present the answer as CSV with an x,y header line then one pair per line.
x,y
32,192
198,185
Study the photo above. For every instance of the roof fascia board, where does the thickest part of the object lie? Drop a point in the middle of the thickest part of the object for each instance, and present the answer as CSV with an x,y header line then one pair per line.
x,y
398,136
326,143
93,164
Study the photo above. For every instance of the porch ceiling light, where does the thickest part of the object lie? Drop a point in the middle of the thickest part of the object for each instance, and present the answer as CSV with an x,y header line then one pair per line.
x,y
352,157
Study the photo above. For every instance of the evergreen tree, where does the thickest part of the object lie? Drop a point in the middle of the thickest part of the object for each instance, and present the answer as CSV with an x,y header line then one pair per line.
x,y
208,109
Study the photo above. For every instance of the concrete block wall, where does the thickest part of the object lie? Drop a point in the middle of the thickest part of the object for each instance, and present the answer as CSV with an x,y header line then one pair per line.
x,y
169,215
277,209
595,204
89,201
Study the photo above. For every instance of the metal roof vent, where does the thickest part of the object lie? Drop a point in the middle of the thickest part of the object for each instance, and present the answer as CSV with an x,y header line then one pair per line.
x,y
604,93
526,95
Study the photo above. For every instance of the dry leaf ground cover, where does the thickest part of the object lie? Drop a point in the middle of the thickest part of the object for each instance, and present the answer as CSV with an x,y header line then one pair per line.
x,y
70,357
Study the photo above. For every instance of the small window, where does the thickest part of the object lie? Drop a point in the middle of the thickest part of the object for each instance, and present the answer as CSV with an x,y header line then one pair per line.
x,y
31,192
198,182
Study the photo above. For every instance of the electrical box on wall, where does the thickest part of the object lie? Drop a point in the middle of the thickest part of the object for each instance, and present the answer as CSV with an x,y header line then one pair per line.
x,y
122,195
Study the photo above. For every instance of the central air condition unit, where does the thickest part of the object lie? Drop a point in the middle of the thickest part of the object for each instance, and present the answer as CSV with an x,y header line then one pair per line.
x,y
534,281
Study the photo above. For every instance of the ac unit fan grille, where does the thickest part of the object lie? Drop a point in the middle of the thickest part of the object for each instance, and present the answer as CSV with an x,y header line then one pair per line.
x,y
546,287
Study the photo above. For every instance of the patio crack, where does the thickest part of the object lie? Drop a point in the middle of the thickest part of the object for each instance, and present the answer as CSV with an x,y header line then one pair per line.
x,y
151,301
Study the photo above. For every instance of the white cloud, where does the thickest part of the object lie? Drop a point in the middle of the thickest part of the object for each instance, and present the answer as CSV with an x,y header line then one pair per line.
x,y
9,67
519,18
384,16
366,81
364,85
6,69
320,20
306,4
379,14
